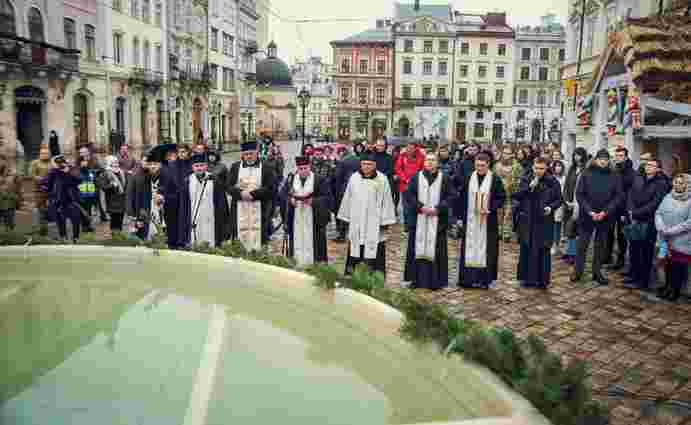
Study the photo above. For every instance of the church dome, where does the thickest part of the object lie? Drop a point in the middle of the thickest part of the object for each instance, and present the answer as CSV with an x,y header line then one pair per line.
x,y
272,71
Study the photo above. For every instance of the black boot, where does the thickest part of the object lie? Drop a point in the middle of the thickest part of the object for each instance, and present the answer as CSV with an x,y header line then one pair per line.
x,y
600,279
618,265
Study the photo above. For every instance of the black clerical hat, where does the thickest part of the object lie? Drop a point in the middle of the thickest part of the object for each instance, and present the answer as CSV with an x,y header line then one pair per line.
x,y
199,158
248,146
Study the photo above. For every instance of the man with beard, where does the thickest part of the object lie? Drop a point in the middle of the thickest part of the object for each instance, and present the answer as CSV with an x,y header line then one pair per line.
x,y
308,204
538,197
599,197
367,207
145,202
203,207
426,201
623,167
251,186
482,196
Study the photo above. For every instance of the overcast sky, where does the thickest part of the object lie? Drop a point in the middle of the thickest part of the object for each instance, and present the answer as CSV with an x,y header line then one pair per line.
x,y
300,40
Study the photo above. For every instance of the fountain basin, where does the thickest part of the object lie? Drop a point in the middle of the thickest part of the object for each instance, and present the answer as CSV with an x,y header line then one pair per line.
x,y
120,336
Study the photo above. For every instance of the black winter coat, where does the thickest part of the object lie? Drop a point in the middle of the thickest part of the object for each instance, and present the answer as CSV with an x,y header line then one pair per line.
x,y
599,190
645,196
534,227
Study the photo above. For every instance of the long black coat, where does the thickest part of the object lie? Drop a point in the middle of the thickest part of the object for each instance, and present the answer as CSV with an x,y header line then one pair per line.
x,y
139,194
322,204
535,229
645,196
344,169
116,202
264,194
599,190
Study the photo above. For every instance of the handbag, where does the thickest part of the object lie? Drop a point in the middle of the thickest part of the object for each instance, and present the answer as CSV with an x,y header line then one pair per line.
x,y
636,231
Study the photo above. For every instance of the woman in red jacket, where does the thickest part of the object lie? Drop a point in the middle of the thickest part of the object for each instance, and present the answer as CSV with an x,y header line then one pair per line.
x,y
409,163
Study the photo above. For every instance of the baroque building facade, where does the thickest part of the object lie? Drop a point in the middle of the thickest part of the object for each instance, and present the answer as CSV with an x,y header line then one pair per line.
x,y
38,78
538,55
314,75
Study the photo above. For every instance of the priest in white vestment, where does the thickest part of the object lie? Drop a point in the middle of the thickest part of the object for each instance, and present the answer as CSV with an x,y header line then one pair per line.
x,y
482,195
203,207
251,187
426,204
367,207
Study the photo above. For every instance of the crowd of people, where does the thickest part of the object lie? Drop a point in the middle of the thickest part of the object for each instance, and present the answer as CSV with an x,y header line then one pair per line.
x,y
483,196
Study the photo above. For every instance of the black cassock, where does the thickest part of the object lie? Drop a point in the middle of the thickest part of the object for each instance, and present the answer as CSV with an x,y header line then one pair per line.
x,y
474,277
186,215
535,229
264,194
322,204
425,273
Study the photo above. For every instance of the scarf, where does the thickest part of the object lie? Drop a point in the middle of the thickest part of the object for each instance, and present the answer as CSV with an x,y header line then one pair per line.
x,y
685,195
429,196
303,222
476,224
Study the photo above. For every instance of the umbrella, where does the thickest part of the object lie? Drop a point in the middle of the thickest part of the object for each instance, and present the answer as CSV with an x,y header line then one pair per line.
x,y
158,153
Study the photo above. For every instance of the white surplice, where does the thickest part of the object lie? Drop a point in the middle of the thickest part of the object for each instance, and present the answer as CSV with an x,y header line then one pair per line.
x,y
367,204
249,213
476,223
303,222
426,228
202,210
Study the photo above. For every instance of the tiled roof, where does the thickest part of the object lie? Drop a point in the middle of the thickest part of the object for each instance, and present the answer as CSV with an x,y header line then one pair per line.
x,y
368,36
406,11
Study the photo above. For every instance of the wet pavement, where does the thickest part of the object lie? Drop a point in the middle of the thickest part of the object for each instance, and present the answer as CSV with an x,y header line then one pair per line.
x,y
638,347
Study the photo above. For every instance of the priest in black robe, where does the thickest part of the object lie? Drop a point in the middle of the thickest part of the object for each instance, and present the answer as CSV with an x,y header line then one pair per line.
x,y
481,197
203,215
426,203
538,197
251,186
307,202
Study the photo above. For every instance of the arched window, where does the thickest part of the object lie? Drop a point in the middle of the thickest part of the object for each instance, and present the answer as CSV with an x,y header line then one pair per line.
x,y
147,55
7,17
35,25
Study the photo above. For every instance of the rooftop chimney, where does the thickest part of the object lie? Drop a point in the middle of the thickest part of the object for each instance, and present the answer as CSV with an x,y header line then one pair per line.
x,y
416,6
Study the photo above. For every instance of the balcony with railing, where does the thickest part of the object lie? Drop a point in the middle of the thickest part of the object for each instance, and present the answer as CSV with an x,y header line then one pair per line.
x,y
146,78
27,58
423,101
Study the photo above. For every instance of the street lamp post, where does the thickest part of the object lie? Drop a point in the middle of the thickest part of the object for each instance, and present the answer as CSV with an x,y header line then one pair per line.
x,y
304,98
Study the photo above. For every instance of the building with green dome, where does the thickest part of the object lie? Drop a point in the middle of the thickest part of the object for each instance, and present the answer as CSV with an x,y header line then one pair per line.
x,y
276,96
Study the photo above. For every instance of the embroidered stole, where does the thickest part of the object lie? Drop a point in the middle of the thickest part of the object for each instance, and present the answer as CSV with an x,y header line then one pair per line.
x,y
476,224
426,230
303,222
249,213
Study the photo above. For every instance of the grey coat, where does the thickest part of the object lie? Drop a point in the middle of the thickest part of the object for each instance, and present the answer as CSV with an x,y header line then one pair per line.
x,y
673,219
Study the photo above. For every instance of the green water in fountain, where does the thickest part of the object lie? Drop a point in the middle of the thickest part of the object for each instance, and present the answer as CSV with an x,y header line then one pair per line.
x,y
120,336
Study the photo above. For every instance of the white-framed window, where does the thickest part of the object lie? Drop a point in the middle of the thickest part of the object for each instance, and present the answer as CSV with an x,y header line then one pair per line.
x,y
482,71
479,130
481,96
443,68
345,94
364,66
159,58
147,55
428,46
158,17
381,66
407,66
441,92
135,52
465,48
146,11
345,65
70,33
523,96
501,50
499,96
407,46
525,73
427,92
483,49
90,41
463,94
443,46
544,54
134,8
500,71
541,97
380,94
543,73
427,67
363,95
463,71
480,116
525,54
214,39
227,44
117,48
407,92
214,76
